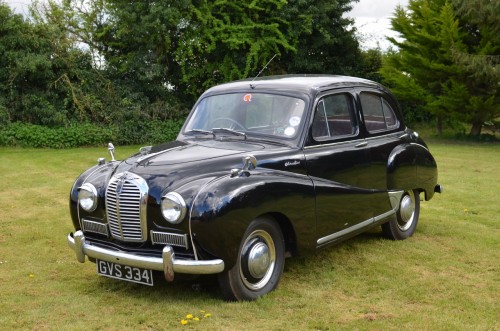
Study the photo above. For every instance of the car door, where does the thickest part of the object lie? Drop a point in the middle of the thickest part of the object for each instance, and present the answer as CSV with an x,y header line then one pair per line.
x,y
383,132
338,162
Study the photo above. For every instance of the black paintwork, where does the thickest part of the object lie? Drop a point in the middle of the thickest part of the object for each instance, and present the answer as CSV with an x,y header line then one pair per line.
x,y
312,188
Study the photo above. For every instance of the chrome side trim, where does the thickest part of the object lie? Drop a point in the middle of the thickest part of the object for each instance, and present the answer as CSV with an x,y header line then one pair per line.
x,y
362,144
384,215
395,135
341,233
167,263
334,144
394,198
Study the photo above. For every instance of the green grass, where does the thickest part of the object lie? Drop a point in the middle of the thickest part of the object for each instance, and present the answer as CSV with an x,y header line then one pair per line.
x,y
445,277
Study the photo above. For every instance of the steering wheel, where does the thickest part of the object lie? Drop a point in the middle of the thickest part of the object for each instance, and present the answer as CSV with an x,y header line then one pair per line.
x,y
233,123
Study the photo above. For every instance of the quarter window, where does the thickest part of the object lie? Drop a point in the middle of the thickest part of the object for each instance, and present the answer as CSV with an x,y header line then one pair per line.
x,y
377,113
333,117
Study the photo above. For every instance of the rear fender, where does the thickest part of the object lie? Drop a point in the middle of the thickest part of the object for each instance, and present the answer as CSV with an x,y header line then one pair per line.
x,y
411,166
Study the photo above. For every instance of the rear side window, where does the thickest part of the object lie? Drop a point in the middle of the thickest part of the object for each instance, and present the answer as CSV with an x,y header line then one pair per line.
x,y
377,113
333,117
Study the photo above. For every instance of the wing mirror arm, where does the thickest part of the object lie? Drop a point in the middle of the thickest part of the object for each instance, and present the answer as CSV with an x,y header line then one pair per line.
x,y
249,163
111,150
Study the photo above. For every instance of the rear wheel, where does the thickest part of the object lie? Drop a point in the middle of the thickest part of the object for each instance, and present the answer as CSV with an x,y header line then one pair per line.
x,y
406,217
260,263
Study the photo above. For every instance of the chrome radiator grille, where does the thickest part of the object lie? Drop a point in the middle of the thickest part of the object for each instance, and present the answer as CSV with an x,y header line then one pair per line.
x,y
126,197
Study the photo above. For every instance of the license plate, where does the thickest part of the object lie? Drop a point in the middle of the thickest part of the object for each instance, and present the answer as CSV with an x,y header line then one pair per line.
x,y
125,272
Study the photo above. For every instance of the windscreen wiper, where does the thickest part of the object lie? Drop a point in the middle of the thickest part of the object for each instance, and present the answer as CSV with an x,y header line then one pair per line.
x,y
198,131
231,131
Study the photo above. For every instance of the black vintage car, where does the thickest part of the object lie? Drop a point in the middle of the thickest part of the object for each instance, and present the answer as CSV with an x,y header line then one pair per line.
x,y
261,170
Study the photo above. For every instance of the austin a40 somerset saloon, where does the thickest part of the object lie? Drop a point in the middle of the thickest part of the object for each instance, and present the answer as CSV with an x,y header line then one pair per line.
x,y
261,170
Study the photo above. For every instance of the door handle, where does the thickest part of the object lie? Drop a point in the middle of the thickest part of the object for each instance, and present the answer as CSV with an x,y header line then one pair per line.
x,y
363,144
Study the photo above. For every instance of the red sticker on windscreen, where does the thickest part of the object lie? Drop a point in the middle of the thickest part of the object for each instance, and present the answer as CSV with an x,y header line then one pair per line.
x,y
247,98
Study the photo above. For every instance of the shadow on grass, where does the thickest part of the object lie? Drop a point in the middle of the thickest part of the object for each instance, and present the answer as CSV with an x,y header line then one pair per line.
x,y
182,289
191,289
365,241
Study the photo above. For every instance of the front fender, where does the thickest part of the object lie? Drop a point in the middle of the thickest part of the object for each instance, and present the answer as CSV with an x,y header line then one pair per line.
x,y
224,208
411,166
98,175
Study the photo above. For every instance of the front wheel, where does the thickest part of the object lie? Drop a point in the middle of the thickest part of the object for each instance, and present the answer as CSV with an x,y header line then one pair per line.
x,y
406,217
260,263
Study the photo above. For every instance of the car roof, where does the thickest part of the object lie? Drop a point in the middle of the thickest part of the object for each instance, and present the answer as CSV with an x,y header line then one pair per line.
x,y
309,84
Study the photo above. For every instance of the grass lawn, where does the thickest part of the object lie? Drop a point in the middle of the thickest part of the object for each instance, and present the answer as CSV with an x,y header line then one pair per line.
x,y
445,277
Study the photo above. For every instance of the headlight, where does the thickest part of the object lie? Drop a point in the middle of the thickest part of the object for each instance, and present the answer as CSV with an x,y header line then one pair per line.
x,y
87,197
173,207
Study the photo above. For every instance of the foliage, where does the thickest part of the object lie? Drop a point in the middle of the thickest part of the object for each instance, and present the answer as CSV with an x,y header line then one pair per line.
x,y
370,64
433,70
227,40
88,134
326,40
161,51
27,72
480,60
119,64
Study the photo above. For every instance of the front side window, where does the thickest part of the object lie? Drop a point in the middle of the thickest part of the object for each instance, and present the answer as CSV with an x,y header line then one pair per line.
x,y
251,113
333,117
377,113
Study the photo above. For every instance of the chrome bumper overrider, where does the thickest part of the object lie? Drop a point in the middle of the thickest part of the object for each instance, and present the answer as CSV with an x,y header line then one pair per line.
x,y
167,263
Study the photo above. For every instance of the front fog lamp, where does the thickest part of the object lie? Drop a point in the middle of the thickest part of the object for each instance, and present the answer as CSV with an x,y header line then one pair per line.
x,y
173,207
87,197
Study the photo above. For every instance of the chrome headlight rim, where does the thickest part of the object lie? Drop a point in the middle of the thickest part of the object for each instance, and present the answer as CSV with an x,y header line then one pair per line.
x,y
89,202
173,207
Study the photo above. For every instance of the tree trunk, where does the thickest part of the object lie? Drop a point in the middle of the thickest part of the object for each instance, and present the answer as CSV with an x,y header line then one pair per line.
x,y
475,130
439,125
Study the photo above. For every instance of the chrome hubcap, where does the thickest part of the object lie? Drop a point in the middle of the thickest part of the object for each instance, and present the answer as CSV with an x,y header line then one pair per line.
x,y
259,260
258,257
406,211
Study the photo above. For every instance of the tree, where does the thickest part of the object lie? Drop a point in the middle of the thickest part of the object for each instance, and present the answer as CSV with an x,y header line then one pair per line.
x,y
480,60
325,38
181,48
27,72
112,60
231,39
427,70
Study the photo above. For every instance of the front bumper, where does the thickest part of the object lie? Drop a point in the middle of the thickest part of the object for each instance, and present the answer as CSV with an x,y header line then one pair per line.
x,y
167,263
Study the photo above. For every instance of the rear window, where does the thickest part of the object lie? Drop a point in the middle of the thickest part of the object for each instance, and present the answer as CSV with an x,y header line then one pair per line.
x,y
377,113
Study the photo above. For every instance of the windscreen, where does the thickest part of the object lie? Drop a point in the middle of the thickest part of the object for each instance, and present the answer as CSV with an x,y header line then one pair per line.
x,y
251,113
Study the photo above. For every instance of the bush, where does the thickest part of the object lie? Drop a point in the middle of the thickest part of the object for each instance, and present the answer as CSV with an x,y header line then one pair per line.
x,y
87,134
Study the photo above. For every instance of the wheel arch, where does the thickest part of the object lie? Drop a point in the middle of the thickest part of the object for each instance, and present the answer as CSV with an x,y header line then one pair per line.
x,y
411,166
226,207
287,230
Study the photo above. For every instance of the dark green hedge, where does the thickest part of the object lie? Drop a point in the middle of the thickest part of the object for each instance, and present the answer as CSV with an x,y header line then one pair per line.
x,y
87,134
